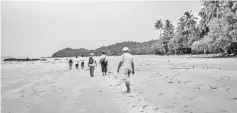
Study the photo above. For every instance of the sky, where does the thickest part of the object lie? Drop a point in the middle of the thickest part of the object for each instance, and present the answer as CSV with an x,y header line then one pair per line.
x,y
40,28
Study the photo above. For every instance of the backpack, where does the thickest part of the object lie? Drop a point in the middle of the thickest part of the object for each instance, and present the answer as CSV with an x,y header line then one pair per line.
x,y
103,61
70,61
91,60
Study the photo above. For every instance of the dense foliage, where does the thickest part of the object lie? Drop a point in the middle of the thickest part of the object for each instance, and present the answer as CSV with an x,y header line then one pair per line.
x,y
216,32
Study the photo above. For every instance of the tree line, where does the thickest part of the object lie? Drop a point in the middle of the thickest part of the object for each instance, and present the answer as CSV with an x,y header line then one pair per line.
x,y
215,32
136,48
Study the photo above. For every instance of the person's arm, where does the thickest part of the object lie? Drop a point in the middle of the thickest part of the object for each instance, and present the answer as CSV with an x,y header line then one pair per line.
x,y
132,64
120,64
88,63
100,61
133,72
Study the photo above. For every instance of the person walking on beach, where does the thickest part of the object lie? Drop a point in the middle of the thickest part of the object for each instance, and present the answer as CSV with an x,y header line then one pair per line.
x,y
70,62
127,64
82,62
77,63
104,63
91,64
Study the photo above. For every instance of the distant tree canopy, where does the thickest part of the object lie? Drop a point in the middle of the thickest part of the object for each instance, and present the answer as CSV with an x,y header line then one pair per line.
x,y
136,48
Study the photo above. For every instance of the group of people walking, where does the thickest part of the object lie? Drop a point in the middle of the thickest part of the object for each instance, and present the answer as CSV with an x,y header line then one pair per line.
x,y
78,61
126,62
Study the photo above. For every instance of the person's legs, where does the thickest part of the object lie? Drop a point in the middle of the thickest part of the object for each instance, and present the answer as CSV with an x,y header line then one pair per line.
x,y
82,65
105,66
127,82
70,66
102,69
91,71
76,66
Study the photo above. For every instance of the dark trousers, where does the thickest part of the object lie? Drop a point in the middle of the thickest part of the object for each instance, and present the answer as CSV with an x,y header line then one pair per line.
x,y
76,66
82,65
104,67
92,68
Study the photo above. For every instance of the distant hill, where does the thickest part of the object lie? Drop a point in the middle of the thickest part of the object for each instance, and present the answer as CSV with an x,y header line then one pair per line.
x,y
136,48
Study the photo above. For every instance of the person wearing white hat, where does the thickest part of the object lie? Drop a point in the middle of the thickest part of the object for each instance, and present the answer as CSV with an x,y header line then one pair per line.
x,y
128,67
91,64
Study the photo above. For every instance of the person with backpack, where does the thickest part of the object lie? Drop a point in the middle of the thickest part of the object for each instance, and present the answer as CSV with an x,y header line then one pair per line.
x,y
91,64
70,62
82,62
77,63
127,64
104,63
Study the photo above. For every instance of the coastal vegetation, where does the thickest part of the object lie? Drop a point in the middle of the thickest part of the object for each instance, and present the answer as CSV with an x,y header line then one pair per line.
x,y
214,33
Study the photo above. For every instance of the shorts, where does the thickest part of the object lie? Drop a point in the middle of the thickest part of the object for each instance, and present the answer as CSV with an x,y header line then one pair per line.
x,y
76,65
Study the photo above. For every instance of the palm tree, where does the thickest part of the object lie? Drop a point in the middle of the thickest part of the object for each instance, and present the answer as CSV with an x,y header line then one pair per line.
x,y
168,28
203,24
159,25
189,21
188,24
167,34
212,9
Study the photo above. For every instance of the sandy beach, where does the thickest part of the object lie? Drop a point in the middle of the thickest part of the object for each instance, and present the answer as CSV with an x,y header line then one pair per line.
x,y
161,84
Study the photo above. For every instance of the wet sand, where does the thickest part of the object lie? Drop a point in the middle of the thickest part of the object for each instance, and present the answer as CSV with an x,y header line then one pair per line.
x,y
172,84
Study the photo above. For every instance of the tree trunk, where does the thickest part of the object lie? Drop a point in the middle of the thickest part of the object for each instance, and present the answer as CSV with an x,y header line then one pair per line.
x,y
160,32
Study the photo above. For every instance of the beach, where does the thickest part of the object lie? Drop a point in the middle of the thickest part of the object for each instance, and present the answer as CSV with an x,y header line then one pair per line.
x,y
161,84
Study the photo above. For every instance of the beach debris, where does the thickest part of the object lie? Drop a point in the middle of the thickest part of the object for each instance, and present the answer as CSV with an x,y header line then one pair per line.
x,y
213,87
156,108
223,77
186,81
224,111
145,106
227,89
197,88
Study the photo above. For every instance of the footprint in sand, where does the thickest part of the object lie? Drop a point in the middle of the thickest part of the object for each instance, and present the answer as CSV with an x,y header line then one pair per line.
x,y
185,106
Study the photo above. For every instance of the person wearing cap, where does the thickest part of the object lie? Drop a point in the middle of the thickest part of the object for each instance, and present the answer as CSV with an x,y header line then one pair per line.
x,y
127,64
91,64
104,63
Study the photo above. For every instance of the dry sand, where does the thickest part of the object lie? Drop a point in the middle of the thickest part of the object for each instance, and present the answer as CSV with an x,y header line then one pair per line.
x,y
161,84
